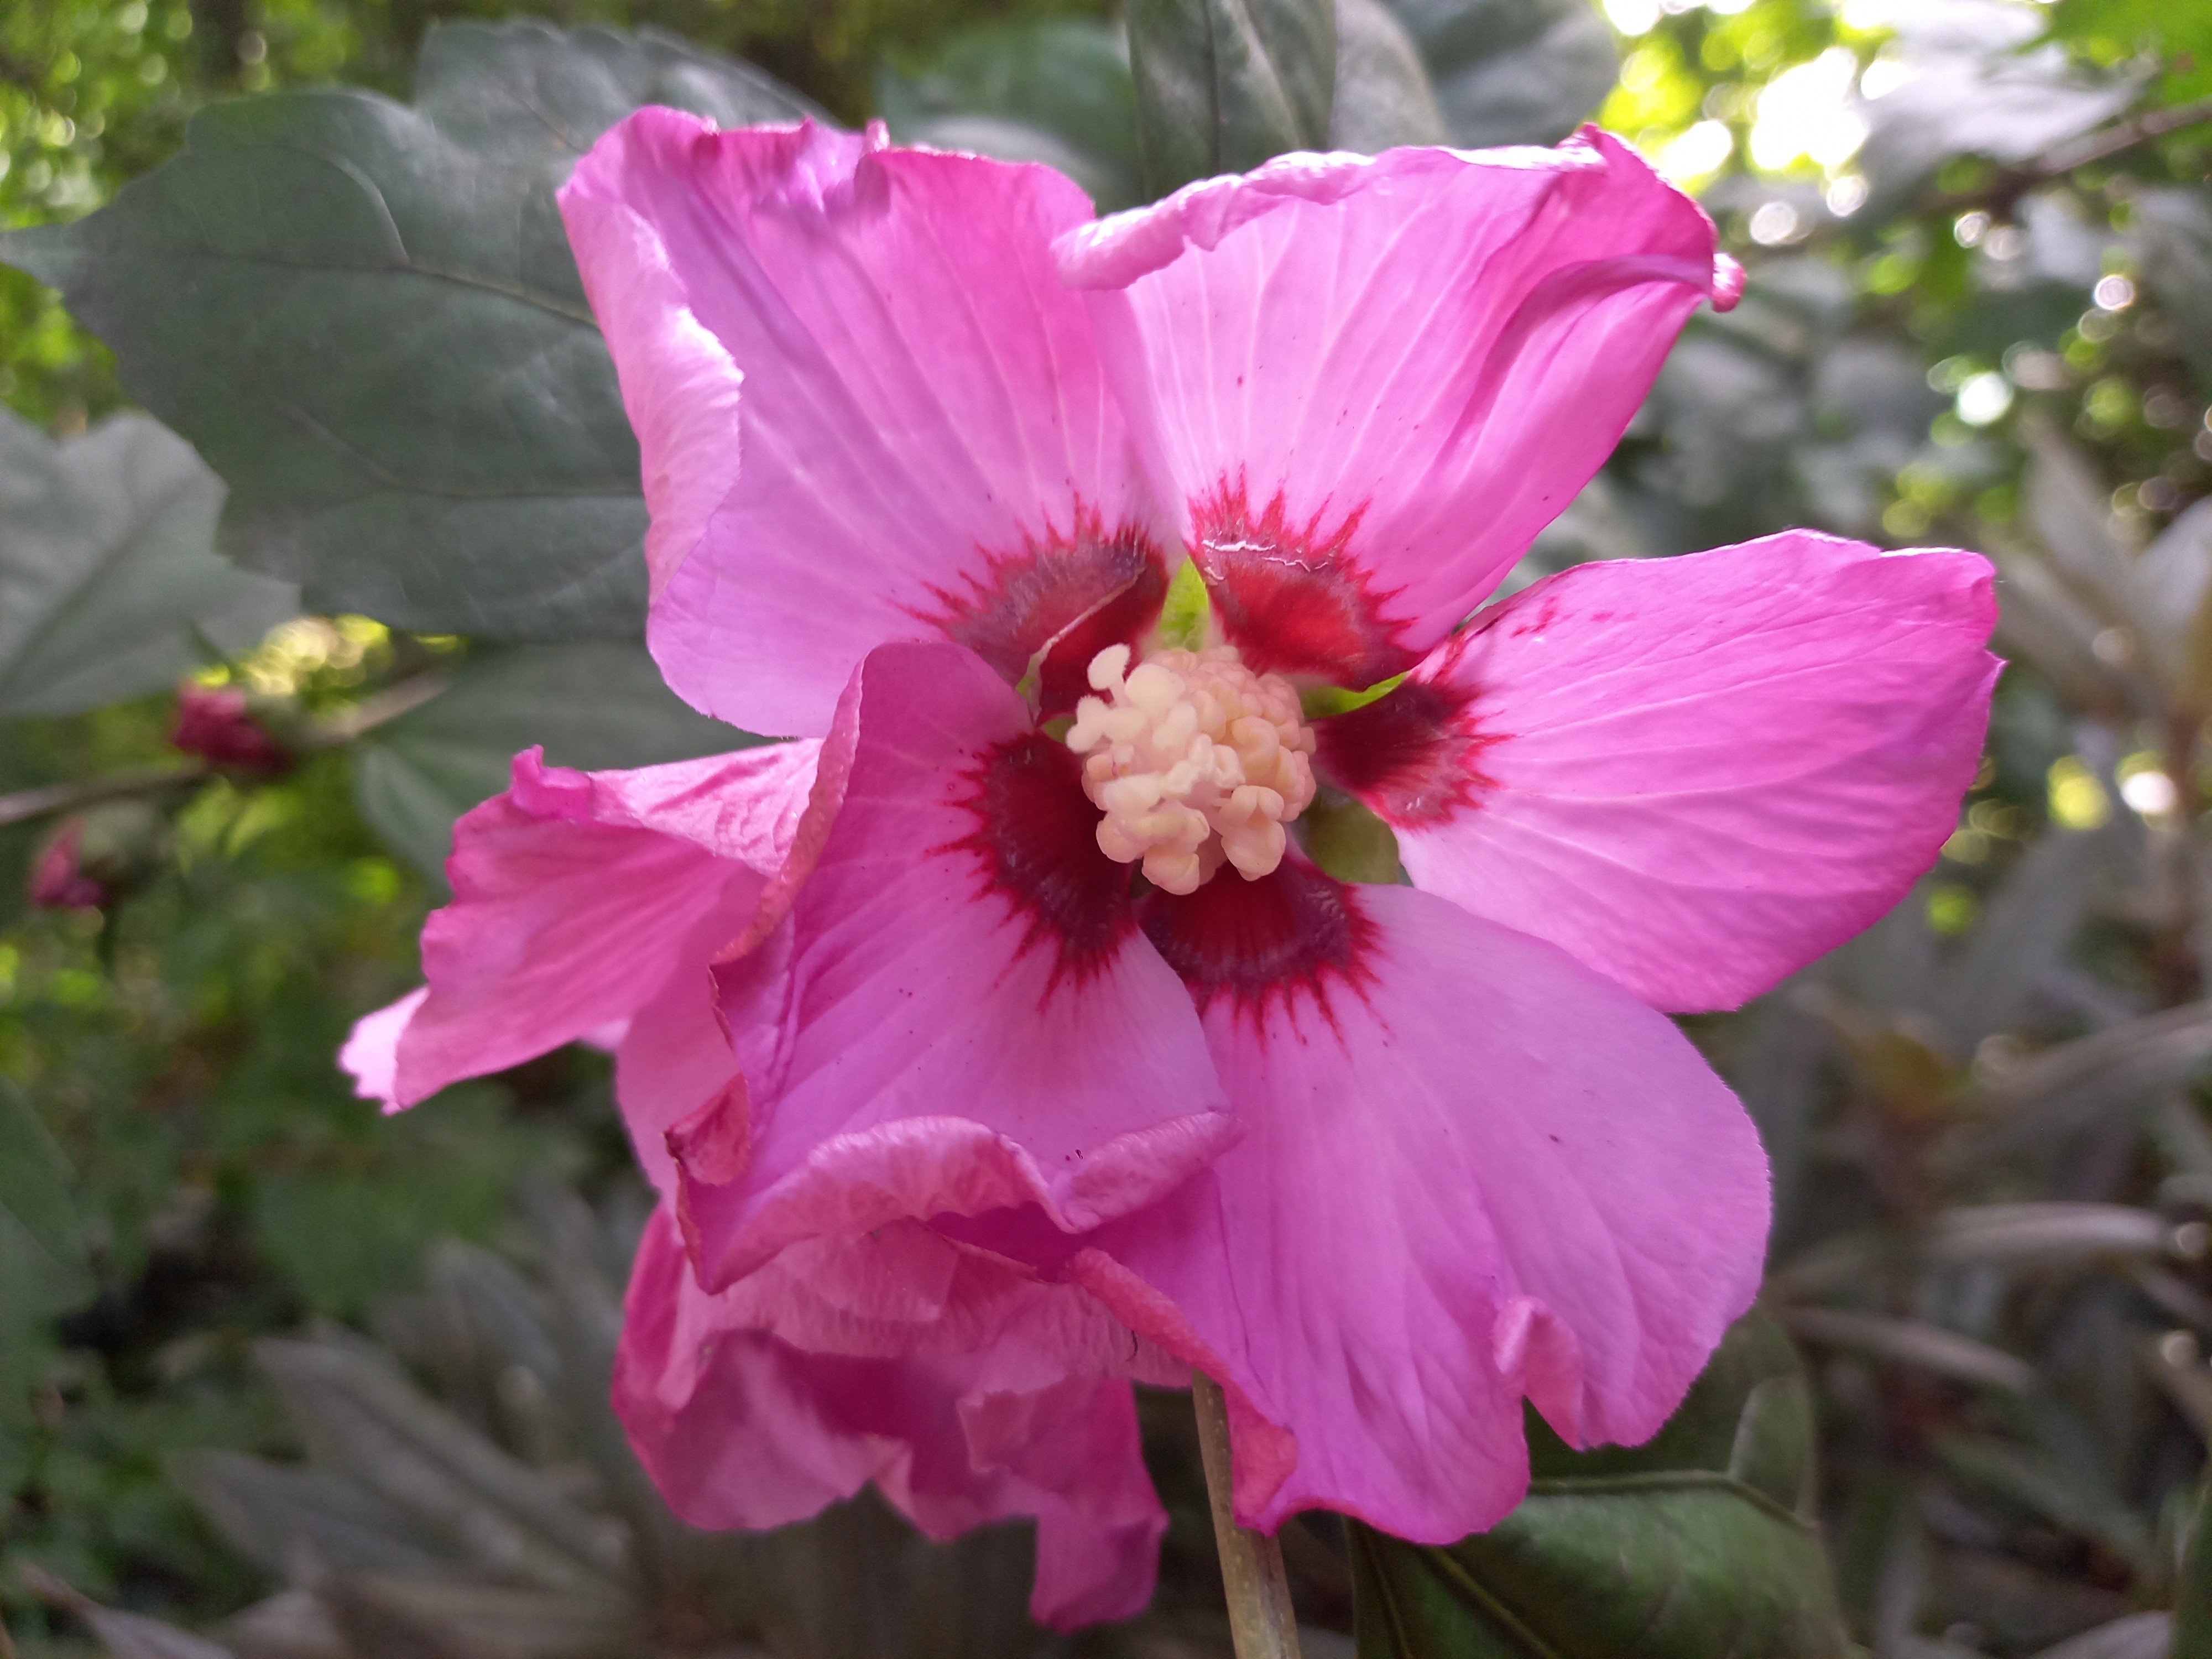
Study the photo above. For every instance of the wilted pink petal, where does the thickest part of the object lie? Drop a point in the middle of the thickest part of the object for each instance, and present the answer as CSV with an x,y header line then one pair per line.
x,y
923,445
1694,774
972,1022
741,1428
578,897
1364,384
1473,1168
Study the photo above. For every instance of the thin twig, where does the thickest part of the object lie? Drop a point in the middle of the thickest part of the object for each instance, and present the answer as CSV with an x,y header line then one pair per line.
x,y
341,728
373,711
1261,1621
53,797
2123,134
2002,193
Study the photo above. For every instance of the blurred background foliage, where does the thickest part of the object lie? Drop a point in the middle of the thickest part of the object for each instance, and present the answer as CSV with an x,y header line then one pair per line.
x,y
1979,313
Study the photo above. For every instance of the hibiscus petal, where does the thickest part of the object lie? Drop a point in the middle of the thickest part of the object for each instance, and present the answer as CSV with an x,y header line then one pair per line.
x,y
1695,775
923,445
971,1020
675,1054
1367,383
740,1428
370,1055
579,898
906,1289
1473,1169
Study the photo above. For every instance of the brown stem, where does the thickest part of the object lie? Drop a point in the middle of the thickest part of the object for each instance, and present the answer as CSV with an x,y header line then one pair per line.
x,y
69,797
2001,194
2123,134
1261,1621
331,733
373,711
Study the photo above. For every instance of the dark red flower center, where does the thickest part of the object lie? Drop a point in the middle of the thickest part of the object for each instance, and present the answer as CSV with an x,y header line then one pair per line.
x,y
1296,932
1069,596
1412,756
1036,833
1288,595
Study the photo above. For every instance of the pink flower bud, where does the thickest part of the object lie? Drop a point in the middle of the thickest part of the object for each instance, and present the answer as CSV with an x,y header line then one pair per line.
x,y
57,878
217,723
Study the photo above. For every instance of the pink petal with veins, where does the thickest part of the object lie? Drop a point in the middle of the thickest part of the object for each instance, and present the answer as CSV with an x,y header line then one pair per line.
x,y
1696,773
1473,1170
582,899
1366,383
971,1020
869,409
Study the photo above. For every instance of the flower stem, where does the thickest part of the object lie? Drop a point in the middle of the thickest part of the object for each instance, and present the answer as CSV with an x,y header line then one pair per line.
x,y
1260,1618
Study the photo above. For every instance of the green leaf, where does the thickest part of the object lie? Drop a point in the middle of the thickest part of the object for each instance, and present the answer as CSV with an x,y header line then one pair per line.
x,y
2180,37
1057,91
365,317
1512,71
1222,85
2192,1603
1692,1546
2173,242
110,585
34,1184
1186,610
595,704
1349,841
1382,92
1979,86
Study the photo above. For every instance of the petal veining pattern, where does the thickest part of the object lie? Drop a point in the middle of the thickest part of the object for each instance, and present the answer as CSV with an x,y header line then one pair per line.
x,y
1694,774
869,407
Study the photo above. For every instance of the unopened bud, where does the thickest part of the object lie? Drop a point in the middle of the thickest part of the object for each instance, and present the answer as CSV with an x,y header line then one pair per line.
x,y
58,881
217,722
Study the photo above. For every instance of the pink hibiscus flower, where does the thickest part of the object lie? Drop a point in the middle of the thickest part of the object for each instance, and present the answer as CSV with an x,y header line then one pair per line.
x,y
999,1043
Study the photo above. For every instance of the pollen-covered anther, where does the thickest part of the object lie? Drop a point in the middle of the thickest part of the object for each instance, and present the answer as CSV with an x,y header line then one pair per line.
x,y
1196,761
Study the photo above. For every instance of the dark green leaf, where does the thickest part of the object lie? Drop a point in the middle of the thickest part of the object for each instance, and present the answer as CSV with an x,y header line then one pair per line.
x,y
439,1616
2192,1605
268,1512
1057,91
1512,71
1351,842
1691,1546
109,579
2179,36
362,1418
34,1185
2174,240
1382,92
365,317
2071,1497
1222,85
593,704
